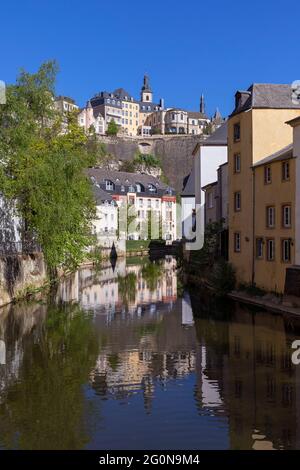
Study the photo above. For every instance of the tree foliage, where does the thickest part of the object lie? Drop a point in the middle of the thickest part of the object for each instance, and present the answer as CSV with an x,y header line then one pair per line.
x,y
42,168
112,128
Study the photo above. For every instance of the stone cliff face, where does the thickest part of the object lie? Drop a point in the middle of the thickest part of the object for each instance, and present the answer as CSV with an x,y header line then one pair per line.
x,y
175,153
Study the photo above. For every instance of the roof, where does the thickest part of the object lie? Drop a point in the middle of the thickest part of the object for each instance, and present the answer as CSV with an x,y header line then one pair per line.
x,y
126,179
189,185
219,137
282,154
265,95
294,122
197,115
209,185
100,195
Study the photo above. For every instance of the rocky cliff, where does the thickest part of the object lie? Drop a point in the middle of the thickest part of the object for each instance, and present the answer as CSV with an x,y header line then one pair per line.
x,y
175,153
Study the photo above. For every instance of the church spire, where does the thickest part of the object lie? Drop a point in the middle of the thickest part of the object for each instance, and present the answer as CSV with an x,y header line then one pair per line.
x,y
146,84
202,104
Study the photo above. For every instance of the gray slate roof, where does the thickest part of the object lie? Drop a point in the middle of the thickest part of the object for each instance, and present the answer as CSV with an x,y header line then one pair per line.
x,y
189,185
123,178
219,137
266,95
196,115
100,195
282,154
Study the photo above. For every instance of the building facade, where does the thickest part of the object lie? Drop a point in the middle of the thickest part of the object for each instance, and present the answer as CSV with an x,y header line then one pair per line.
x,y
256,128
146,206
208,156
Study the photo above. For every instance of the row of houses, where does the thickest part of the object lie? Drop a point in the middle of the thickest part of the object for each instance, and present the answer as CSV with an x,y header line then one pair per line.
x,y
132,206
256,188
137,116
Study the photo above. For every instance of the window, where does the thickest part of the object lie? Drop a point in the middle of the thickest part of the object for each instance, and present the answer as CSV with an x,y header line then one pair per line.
x,y
286,250
259,248
268,174
237,242
131,189
141,202
109,185
149,202
210,201
286,216
157,203
122,188
237,132
237,163
271,217
286,171
237,201
270,249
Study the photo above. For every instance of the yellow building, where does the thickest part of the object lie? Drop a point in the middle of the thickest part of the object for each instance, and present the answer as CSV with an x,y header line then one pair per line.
x,y
274,218
256,128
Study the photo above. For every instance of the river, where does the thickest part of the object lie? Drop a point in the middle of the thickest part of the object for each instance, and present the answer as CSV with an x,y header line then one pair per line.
x,y
126,358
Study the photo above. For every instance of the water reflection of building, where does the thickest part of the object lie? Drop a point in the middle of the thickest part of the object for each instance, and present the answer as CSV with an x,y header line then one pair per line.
x,y
143,351
99,290
248,363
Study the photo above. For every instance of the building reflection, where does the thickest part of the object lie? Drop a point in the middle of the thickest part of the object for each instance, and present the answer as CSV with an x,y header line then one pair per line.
x,y
248,364
136,336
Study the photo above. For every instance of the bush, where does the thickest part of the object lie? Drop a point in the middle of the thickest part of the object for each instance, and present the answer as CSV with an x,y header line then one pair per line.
x,y
222,277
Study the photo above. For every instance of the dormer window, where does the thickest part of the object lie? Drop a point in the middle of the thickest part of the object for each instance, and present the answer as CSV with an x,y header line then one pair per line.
x,y
131,189
139,188
152,188
109,185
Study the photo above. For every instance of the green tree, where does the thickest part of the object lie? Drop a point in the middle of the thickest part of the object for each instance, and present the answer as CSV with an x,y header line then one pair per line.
x,y
112,128
43,169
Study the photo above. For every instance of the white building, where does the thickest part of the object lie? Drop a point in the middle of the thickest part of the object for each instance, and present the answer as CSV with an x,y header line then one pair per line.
x,y
208,156
88,117
106,224
147,207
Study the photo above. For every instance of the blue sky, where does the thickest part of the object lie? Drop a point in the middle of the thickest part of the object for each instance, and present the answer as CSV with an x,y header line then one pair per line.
x,y
186,47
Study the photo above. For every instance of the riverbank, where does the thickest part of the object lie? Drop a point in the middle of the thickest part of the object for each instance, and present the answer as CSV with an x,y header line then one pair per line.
x,y
268,301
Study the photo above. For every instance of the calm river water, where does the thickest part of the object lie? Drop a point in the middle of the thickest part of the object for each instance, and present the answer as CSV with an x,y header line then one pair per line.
x,y
126,359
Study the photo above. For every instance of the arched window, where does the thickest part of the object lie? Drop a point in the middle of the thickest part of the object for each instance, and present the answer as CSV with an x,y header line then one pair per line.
x,y
140,188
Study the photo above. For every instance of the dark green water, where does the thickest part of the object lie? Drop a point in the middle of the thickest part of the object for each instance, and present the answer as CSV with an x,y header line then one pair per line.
x,y
119,362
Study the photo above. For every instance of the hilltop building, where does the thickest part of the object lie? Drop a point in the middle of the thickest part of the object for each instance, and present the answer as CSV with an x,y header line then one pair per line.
x,y
143,117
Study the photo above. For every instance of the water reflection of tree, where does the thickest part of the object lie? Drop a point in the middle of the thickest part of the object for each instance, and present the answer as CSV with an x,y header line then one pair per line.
x,y
46,409
152,273
127,288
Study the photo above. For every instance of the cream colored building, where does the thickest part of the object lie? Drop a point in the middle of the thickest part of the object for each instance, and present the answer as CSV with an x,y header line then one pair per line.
x,y
256,129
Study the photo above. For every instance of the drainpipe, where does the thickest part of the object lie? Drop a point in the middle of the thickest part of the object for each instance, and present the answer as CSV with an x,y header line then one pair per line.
x,y
253,225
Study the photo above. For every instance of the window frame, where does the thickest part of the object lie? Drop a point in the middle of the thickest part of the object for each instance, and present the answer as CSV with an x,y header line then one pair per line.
x,y
283,259
236,236
268,251
268,225
237,209
283,207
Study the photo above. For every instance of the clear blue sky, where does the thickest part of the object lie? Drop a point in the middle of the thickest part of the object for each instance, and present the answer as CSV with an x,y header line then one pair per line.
x,y
187,47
